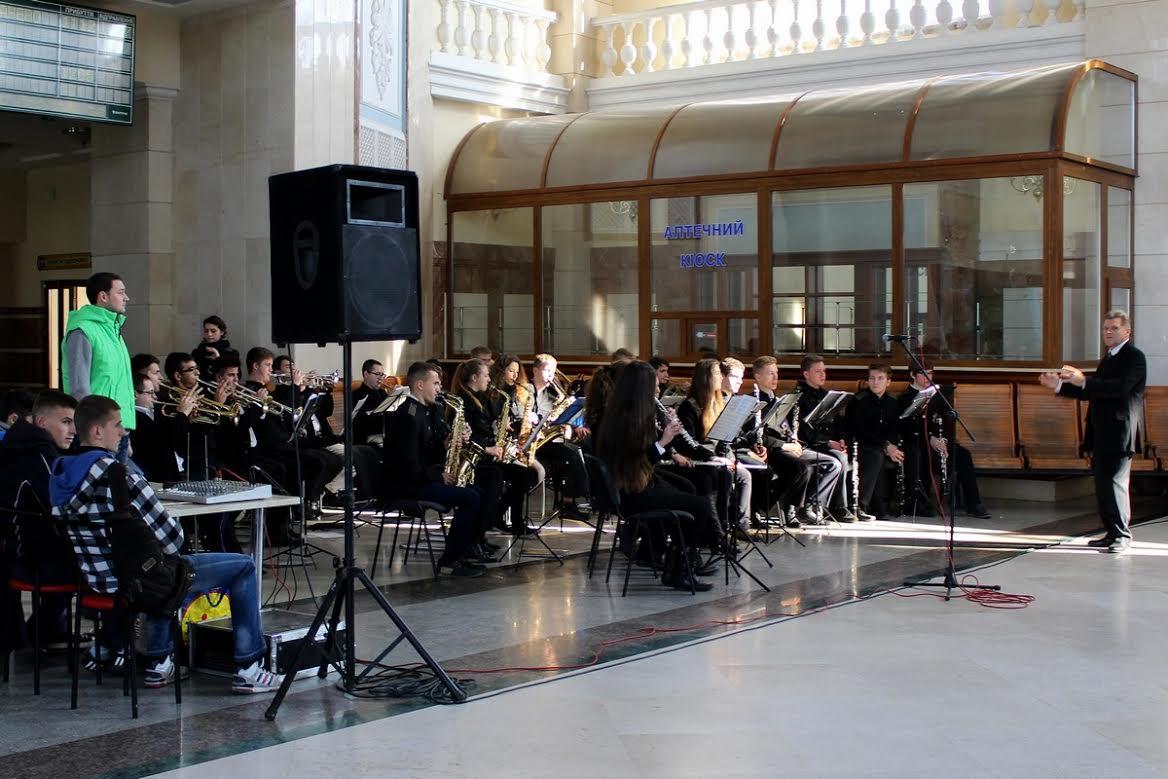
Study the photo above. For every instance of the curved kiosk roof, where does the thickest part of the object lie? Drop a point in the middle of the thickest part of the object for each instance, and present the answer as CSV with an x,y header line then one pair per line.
x,y
1083,110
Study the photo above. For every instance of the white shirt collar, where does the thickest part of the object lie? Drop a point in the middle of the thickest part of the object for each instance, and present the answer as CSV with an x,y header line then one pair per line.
x,y
1115,349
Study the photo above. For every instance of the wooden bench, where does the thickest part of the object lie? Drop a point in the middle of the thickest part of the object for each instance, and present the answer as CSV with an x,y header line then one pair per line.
x,y
1156,426
988,410
1049,430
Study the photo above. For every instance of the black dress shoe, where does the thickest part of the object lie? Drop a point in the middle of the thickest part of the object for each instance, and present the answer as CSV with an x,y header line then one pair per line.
x,y
699,565
1101,543
524,531
1119,545
479,554
491,547
979,511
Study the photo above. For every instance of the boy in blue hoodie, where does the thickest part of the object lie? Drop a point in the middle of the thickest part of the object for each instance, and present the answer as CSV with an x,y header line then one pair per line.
x,y
83,501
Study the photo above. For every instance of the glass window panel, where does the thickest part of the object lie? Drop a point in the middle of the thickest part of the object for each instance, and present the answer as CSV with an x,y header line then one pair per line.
x,y
742,337
708,272
603,147
974,262
1081,230
1119,211
491,294
703,338
590,278
1101,119
700,140
990,113
840,127
666,337
1120,300
505,155
839,241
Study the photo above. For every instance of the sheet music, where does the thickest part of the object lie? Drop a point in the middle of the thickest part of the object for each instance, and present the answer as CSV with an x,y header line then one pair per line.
x,y
391,403
358,405
779,412
831,401
920,401
737,411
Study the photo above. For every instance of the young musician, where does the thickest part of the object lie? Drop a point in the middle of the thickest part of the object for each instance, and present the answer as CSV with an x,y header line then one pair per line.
x,y
826,440
697,415
791,475
661,368
415,467
151,442
147,365
561,456
213,347
918,448
504,484
509,379
629,442
873,421
84,490
368,428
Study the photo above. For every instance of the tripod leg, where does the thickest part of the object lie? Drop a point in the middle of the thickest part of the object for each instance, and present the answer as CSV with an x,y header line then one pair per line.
x,y
456,692
274,708
330,639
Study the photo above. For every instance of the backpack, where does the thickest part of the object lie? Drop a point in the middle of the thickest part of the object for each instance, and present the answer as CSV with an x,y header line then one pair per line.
x,y
154,582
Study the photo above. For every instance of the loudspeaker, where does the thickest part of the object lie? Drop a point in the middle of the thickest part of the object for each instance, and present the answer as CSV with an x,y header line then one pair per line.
x,y
345,255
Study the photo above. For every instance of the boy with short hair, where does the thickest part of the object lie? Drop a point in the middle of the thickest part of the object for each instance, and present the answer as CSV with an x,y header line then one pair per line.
x,y
82,491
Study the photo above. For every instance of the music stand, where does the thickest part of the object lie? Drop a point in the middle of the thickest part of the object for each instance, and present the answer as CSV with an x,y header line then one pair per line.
x,y
725,429
779,409
949,577
914,410
824,413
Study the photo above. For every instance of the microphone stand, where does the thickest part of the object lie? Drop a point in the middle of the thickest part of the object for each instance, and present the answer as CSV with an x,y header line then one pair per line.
x,y
949,576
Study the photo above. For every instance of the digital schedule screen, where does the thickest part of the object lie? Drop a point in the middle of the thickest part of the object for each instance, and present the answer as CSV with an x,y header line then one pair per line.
x,y
66,60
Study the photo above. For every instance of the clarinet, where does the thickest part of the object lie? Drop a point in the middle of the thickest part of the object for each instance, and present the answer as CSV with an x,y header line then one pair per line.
x,y
668,417
795,426
856,478
944,457
899,497
758,434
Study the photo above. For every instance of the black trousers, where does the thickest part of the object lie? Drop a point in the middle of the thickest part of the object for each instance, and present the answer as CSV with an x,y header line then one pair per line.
x,y
504,486
917,477
788,477
705,485
873,484
1112,474
565,463
660,495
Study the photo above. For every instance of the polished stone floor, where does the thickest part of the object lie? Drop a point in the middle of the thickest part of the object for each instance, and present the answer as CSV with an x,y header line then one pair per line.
x,y
1072,685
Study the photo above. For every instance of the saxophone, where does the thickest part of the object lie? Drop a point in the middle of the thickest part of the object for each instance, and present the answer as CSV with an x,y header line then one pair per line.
x,y
546,433
525,418
503,426
856,478
459,462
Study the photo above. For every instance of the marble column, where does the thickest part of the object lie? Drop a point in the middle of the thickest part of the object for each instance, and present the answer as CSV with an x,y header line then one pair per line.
x,y
132,191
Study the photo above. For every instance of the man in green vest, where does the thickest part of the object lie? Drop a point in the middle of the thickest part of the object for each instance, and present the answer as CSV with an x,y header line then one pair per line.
x,y
94,357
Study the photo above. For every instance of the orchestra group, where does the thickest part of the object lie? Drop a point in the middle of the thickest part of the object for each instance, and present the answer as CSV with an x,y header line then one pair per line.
x,y
477,441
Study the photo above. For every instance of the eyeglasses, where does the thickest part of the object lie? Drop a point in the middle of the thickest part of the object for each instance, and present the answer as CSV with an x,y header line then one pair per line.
x,y
191,369
377,374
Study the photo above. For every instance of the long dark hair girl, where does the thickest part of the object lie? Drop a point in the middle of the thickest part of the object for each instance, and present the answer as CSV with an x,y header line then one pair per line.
x,y
706,392
629,427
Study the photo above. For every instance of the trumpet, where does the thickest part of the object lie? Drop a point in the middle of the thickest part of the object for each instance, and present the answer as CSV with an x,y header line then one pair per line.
x,y
207,410
312,380
266,402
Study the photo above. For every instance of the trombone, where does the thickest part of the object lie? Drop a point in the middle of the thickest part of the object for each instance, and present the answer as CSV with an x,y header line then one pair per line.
x,y
251,397
312,379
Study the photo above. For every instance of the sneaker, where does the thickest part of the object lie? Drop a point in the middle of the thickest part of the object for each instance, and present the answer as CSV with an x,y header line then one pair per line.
x,y
811,516
460,569
846,517
111,661
864,516
254,680
160,673
791,519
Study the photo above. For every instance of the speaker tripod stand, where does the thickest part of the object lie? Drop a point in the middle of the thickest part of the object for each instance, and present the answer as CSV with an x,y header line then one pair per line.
x,y
340,597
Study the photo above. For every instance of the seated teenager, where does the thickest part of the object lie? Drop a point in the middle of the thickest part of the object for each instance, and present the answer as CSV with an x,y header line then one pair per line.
x,y
369,428
823,442
150,441
504,484
791,475
697,415
83,489
873,420
147,365
415,467
560,456
630,443
32,545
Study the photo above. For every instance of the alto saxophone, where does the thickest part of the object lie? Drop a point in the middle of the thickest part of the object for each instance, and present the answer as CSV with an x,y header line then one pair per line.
x,y
459,462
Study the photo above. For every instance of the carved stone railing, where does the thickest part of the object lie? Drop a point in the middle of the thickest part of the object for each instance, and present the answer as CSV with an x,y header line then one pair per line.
x,y
718,31
496,31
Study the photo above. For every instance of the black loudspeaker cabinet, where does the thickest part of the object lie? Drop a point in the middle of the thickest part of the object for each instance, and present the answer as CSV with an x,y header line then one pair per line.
x,y
345,255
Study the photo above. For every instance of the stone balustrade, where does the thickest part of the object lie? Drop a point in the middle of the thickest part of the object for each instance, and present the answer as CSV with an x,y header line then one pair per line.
x,y
719,31
496,31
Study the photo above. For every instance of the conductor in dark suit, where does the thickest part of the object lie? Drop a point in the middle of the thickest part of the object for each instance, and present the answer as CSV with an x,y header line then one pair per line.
x,y
1115,401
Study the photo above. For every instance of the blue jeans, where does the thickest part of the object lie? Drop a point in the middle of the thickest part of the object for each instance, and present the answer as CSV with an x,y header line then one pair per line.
x,y
236,574
467,505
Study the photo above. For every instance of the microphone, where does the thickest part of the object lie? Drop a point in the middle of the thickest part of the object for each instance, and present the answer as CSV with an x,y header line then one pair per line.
x,y
890,337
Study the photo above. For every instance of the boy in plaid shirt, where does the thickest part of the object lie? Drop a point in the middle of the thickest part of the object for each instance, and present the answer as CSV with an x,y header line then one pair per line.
x,y
83,501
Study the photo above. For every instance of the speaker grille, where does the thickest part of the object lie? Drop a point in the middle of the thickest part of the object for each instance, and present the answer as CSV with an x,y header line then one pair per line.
x,y
381,284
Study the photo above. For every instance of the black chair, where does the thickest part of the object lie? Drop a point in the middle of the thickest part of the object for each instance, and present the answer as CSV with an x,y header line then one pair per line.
x,y
606,502
415,512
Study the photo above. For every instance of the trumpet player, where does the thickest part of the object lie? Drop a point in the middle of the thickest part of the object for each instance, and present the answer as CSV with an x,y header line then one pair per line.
x,y
153,449
415,467
561,457
271,449
369,428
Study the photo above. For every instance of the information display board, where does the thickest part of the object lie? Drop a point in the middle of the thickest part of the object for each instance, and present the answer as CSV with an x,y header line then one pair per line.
x,y
66,60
